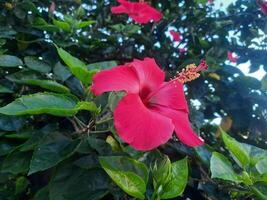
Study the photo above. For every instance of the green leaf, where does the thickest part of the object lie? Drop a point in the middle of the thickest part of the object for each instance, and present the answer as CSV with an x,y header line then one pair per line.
x,y
72,182
261,166
177,184
53,149
76,66
62,25
47,103
162,171
221,168
10,61
10,123
4,89
102,65
82,24
30,78
17,162
37,64
42,194
129,174
21,185
236,149
61,72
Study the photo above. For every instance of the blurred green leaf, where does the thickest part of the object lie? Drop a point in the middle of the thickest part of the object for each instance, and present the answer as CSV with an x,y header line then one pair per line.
x,y
10,61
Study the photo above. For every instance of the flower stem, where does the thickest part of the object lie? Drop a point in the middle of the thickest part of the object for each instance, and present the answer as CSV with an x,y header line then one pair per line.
x,y
103,121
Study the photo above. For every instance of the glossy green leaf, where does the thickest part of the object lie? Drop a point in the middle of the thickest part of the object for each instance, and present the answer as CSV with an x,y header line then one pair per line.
x,y
37,64
129,174
10,61
236,149
221,168
47,103
178,181
53,149
76,66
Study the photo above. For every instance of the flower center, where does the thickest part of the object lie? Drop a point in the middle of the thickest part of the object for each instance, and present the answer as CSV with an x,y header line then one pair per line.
x,y
191,72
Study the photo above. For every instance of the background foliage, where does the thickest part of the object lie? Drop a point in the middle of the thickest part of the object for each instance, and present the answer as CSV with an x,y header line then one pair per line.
x,y
57,141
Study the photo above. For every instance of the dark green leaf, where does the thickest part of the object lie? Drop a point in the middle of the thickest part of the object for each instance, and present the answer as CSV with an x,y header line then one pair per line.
x,y
37,64
17,162
10,61
72,182
53,149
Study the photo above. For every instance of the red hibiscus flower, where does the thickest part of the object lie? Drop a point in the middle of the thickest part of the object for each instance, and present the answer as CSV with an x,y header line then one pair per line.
x,y
182,50
152,109
176,36
264,8
140,12
231,57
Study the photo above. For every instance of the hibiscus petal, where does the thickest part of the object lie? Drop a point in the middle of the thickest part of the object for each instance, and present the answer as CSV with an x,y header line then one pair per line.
x,y
149,74
115,79
119,9
182,126
144,13
140,127
171,95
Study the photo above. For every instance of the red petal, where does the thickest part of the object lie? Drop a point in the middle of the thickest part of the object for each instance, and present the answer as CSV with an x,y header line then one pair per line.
x,y
140,127
171,95
149,74
119,9
115,79
139,12
182,126
176,36
144,13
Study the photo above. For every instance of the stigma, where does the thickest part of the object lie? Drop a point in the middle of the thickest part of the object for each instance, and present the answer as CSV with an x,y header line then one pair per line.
x,y
191,72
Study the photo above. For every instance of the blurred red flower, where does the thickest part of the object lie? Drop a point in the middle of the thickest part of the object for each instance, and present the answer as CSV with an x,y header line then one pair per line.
x,y
140,12
231,57
176,36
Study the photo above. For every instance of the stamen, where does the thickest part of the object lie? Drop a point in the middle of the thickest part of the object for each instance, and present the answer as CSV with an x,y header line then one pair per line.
x,y
191,72
141,1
